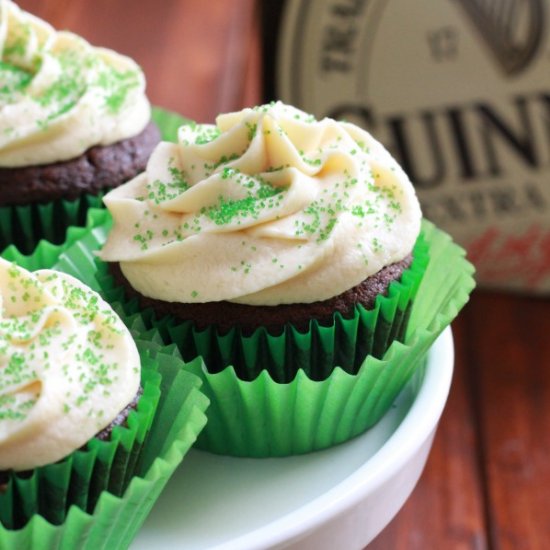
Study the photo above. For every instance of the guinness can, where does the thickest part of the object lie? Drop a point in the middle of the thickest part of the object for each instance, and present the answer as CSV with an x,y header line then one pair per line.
x,y
458,90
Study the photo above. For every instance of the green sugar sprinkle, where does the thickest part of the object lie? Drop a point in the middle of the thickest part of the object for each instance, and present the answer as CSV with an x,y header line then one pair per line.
x,y
300,116
322,214
318,225
144,238
251,130
227,210
277,168
243,266
224,159
74,81
10,409
317,221
206,133
264,108
29,337
12,81
311,162
17,40
261,195
80,71
159,191
64,93
117,85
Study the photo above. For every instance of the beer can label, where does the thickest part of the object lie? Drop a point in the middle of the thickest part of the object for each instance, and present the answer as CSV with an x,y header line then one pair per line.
x,y
459,92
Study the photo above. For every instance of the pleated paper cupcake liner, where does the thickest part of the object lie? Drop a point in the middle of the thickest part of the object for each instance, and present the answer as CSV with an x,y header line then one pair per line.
x,y
345,342
45,255
99,496
80,478
78,500
262,418
25,226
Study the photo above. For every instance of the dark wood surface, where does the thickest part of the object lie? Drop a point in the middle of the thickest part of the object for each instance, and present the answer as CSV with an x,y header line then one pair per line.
x,y
487,480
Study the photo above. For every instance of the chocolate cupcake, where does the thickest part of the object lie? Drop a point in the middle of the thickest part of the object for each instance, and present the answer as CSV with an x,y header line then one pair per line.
x,y
269,222
306,388
74,122
92,421
70,372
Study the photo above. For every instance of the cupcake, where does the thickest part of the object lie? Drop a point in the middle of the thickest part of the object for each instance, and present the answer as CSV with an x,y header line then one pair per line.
x,y
71,372
74,122
79,403
290,255
268,223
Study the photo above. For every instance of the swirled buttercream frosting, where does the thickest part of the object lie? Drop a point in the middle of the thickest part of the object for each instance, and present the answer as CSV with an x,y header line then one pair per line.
x,y
59,95
68,366
268,206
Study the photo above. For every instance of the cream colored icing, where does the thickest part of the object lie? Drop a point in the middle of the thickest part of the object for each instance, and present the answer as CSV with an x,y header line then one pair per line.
x,y
267,207
59,95
68,366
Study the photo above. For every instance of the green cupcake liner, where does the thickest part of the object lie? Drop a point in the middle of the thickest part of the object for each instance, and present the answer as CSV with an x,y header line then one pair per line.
x,y
25,226
344,342
261,418
445,287
45,255
115,520
80,478
168,123
74,503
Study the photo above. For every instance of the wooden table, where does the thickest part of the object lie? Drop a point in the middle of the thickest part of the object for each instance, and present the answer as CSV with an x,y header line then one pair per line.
x,y
487,481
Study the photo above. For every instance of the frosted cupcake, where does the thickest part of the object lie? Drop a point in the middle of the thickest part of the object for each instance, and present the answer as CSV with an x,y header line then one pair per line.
x,y
235,239
268,223
70,373
92,421
74,122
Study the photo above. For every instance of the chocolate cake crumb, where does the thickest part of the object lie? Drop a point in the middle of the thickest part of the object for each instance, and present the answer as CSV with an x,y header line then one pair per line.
x,y
99,168
226,315
120,418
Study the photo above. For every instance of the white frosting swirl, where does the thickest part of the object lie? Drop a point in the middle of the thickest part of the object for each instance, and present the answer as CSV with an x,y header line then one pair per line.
x,y
68,366
267,207
59,96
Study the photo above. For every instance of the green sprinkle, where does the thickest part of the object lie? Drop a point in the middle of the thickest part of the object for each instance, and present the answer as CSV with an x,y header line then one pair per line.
x,y
206,134
159,191
13,80
261,196
251,130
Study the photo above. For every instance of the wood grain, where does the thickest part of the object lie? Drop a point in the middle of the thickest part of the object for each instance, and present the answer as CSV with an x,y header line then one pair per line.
x,y
510,364
446,509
